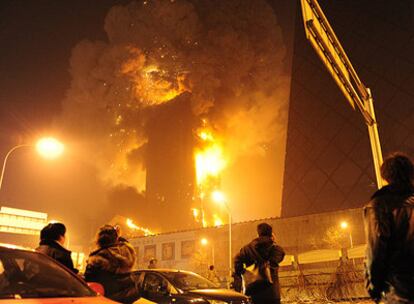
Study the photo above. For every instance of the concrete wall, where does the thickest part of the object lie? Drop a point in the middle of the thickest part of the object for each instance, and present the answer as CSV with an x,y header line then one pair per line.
x,y
295,234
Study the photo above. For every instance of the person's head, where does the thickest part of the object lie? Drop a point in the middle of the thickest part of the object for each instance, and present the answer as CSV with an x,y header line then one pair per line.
x,y
211,267
264,229
153,262
53,232
107,236
398,169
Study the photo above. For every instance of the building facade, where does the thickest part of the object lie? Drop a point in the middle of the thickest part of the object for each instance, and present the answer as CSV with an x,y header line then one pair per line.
x,y
328,157
21,227
196,249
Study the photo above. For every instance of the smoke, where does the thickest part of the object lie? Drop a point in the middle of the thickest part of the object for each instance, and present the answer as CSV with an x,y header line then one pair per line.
x,y
228,54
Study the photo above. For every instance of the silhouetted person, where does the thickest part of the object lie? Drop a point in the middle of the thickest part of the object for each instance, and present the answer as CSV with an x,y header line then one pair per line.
x,y
152,264
260,251
110,265
52,240
212,274
389,223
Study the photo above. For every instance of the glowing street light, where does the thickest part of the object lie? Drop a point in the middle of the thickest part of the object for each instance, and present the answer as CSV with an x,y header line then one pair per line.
x,y
345,226
219,198
48,147
204,242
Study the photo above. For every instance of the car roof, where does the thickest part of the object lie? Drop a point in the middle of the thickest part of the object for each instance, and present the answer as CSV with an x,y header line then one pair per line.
x,y
165,270
11,247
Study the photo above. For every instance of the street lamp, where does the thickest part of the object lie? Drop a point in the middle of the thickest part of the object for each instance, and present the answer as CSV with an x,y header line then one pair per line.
x,y
345,226
219,198
47,147
204,242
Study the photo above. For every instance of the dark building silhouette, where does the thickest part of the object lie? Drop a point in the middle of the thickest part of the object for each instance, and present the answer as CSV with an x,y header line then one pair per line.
x,y
170,164
328,156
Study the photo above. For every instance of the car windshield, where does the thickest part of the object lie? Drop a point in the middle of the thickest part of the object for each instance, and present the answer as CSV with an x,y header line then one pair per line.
x,y
189,281
25,274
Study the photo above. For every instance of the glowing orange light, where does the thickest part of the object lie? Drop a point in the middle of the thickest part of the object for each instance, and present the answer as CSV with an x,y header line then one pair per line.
x,y
217,221
344,225
206,135
152,84
209,162
196,214
49,147
132,225
218,197
204,241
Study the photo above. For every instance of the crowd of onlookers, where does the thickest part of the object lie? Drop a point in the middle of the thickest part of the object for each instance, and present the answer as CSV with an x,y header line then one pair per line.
x,y
109,264
389,221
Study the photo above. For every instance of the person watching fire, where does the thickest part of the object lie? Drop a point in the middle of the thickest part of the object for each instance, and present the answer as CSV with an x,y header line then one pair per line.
x,y
52,240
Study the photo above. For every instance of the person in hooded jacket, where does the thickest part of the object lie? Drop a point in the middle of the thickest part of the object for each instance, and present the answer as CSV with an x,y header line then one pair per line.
x,y
261,249
52,240
389,224
110,265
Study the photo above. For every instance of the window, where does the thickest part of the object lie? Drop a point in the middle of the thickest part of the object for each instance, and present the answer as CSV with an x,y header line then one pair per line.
x,y
168,251
154,283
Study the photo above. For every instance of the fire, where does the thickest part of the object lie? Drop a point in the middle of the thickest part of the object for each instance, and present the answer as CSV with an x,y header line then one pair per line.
x,y
157,86
210,162
132,225
196,214
206,136
217,221
209,159
152,84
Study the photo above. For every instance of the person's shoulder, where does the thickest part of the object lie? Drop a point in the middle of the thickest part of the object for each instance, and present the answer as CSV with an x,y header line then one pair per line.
x,y
125,243
247,248
379,198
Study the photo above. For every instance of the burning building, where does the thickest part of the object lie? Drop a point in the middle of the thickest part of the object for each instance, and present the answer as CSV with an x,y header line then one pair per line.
x,y
180,97
170,181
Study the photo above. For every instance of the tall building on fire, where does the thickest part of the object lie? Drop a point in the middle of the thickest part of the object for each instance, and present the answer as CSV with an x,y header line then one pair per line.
x,y
170,163
328,157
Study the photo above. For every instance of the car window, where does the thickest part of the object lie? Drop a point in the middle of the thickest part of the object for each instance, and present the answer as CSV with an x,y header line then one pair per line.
x,y
189,281
32,275
155,283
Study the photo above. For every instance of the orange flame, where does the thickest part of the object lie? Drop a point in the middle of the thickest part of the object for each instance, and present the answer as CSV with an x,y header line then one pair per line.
x,y
196,214
217,220
132,225
209,160
152,84
209,163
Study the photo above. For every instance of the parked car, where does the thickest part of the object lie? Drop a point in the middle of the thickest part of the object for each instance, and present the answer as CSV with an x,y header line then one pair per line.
x,y
182,287
28,277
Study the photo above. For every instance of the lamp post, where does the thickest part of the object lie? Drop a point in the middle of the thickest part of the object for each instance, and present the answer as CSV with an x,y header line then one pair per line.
x,y
219,198
344,226
48,147
205,242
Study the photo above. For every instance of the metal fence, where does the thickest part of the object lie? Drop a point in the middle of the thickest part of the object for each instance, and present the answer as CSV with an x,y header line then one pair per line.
x,y
323,276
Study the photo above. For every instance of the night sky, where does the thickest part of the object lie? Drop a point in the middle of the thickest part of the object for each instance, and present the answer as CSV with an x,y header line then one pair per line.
x,y
36,39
